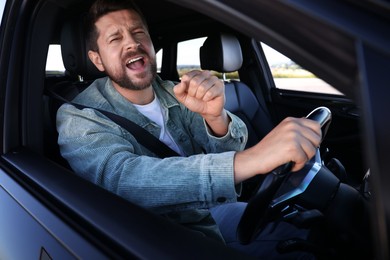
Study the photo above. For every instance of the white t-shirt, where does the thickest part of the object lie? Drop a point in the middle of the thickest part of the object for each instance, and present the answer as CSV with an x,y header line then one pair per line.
x,y
155,113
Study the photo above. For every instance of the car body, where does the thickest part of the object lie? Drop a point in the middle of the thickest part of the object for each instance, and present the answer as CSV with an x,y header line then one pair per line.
x,y
47,211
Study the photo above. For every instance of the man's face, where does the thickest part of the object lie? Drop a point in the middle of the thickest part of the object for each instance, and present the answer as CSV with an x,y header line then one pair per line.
x,y
126,52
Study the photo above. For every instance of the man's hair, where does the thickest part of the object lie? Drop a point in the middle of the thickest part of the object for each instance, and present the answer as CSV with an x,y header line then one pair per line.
x,y
100,8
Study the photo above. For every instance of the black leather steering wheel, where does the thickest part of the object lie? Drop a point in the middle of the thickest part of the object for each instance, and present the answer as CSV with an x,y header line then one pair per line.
x,y
263,207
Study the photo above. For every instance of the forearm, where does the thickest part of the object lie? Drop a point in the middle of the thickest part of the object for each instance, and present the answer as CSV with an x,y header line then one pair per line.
x,y
246,165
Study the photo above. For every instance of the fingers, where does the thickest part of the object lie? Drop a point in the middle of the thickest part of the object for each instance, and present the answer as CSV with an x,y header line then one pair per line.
x,y
293,140
301,127
200,85
302,138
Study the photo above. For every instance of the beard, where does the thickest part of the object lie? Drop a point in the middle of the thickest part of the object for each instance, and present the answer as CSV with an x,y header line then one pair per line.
x,y
143,81
139,82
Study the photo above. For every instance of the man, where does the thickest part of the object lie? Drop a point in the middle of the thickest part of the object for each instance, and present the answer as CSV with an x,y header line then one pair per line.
x,y
189,117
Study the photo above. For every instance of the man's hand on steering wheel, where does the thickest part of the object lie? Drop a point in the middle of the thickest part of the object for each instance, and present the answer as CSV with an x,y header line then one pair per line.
x,y
293,140
293,143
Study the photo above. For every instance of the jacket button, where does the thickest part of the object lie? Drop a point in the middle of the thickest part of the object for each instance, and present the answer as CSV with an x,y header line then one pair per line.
x,y
221,199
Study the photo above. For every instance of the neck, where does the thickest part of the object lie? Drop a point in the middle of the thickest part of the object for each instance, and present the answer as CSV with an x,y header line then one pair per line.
x,y
138,97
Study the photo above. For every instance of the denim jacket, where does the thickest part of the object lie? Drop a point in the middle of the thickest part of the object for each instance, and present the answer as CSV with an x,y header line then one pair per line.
x,y
104,153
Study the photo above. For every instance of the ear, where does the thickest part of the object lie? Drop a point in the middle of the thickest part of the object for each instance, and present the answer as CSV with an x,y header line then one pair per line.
x,y
94,56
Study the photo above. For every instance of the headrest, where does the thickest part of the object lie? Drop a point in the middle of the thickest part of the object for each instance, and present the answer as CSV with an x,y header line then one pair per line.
x,y
221,52
74,50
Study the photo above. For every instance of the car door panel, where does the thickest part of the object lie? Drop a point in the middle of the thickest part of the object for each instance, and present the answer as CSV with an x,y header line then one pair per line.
x,y
25,215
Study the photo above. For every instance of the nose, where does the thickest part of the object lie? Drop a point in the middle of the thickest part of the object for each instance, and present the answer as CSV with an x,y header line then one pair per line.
x,y
131,43
133,46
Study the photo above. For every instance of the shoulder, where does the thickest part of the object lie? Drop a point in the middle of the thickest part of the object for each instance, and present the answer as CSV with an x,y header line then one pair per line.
x,y
165,84
93,94
164,90
91,97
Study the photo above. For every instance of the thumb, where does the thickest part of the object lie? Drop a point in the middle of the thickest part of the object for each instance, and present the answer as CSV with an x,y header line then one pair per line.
x,y
180,91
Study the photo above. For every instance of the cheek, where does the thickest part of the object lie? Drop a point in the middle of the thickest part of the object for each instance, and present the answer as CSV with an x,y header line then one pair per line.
x,y
150,50
148,46
111,57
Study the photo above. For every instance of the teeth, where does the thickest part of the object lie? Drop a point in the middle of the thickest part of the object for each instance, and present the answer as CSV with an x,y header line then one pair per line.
x,y
134,60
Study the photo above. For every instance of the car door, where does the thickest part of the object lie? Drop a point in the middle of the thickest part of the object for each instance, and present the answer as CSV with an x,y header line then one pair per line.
x,y
295,91
29,228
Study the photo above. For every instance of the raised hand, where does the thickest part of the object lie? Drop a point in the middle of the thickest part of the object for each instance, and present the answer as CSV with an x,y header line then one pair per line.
x,y
201,92
204,93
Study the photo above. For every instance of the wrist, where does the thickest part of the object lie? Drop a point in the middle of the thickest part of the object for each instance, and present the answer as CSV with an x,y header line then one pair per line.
x,y
219,125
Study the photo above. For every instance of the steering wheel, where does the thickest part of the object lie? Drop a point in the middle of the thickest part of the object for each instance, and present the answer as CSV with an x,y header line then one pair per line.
x,y
279,188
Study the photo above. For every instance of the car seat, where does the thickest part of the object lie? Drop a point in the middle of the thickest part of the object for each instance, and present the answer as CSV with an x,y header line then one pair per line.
x,y
221,52
80,72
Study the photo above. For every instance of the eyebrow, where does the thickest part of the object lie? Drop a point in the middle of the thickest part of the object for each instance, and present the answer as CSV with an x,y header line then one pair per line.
x,y
115,33
135,26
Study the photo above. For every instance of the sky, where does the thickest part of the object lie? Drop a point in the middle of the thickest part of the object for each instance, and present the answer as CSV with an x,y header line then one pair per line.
x,y
273,56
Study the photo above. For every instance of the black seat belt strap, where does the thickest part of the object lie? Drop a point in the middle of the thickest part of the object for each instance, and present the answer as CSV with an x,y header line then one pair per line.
x,y
145,138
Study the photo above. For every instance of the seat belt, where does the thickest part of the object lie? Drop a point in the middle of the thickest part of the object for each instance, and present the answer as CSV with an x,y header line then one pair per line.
x,y
145,138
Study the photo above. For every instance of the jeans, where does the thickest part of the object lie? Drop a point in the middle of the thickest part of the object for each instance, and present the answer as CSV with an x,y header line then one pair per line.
x,y
264,246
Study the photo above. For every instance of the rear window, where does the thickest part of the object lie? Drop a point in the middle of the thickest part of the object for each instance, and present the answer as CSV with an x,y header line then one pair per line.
x,y
188,58
54,63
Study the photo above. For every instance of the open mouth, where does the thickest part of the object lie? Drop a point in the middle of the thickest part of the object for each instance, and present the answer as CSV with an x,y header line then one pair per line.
x,y
135,63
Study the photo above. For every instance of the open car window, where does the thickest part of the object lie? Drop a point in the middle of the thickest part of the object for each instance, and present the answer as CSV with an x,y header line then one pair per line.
x,y
289,75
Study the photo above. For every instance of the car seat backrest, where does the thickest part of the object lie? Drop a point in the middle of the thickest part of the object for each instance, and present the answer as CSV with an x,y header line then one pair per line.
x,y
221,52
74,50
80,72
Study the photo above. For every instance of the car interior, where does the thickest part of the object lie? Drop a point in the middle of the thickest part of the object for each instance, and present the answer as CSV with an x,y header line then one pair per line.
x,y
221,52
253,98
251,88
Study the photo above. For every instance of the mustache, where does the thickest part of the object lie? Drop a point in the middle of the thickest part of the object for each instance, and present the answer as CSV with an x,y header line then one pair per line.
x,y
132,53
